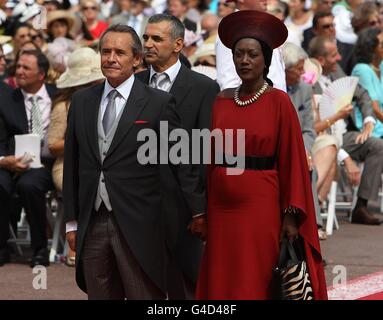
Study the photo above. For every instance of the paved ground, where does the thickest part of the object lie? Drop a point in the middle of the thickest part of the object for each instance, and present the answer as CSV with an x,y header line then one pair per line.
x,y
359,248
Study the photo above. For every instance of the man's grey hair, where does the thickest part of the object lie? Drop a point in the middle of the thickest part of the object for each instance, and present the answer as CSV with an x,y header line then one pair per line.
x,y
177,28
292,54
121,28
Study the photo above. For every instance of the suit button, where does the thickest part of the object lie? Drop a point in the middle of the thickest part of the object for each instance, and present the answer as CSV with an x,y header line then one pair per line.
x,y
103,180
104,153
105,141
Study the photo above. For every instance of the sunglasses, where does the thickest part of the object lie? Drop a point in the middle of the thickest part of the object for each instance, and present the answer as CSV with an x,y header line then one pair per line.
x,y
89,8
226,5
373,23
329,3
328,26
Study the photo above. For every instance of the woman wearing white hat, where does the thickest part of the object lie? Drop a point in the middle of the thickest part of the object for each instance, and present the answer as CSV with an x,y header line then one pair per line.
x,y
83,70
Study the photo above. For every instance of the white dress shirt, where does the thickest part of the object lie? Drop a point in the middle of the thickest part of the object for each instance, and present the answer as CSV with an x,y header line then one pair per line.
x,y
227,76
44,103
124,90
172,73
136,23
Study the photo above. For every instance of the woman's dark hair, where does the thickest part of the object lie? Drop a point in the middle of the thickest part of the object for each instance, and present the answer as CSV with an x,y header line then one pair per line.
x,y
50,35
267,55
366,45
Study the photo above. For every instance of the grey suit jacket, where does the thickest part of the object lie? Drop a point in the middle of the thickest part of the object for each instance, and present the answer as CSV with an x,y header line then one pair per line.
x,y
301,97
361,98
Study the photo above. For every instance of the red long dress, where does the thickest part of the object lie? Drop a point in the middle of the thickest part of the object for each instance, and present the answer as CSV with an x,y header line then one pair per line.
x,y
245,211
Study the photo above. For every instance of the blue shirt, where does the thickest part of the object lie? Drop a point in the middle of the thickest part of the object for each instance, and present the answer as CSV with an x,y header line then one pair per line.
x,y
374,86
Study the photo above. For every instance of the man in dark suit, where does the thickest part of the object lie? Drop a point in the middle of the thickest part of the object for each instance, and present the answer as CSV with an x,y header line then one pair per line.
x,y
357,145
26,110
111,200
194,94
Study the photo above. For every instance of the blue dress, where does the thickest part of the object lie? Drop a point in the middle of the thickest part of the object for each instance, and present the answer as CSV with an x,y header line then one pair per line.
x,y
374,86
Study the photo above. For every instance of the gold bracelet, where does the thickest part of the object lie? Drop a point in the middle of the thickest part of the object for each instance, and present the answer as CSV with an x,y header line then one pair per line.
x,y
328,123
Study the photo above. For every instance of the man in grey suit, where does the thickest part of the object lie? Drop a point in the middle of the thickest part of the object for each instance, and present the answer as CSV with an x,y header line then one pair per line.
x,y
301,96
124,15
357,146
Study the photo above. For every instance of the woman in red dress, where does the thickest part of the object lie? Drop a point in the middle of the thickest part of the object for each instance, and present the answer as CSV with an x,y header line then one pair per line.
x,y
248,214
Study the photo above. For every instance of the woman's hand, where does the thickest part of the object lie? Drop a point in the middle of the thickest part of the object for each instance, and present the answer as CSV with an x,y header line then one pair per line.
x,y
198,226
289,227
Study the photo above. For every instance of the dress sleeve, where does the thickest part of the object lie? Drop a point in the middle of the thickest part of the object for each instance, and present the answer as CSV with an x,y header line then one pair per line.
x,y
295,190
57,125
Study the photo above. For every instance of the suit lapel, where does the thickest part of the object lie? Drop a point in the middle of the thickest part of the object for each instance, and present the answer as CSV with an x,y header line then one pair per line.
x,y
133,108
19,110
180,87
92,108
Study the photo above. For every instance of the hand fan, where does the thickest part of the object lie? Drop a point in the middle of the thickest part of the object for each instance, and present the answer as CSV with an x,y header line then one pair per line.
x,y
337,95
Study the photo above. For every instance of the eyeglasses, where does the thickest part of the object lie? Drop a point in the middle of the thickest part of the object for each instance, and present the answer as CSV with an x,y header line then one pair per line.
x,y
89,8
328,26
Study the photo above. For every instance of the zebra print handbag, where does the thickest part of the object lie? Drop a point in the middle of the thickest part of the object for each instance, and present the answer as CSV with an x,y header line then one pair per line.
x,y
291,279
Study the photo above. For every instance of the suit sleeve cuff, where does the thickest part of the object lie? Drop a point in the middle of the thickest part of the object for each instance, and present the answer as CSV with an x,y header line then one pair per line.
x,y
71,226
199,215
369,119
342,154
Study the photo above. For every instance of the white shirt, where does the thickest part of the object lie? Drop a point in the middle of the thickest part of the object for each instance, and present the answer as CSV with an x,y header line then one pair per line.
x,y
227,76
44,103
124,90
121,99
343,28
136,23
172,73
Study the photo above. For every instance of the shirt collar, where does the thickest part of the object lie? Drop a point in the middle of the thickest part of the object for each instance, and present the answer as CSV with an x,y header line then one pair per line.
x,y
42,93
123,89
171,72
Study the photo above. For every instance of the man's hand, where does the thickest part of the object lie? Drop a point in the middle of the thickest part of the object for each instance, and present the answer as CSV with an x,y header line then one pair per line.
x,y
71,238
198,226
289,227
365,134
309,161
13,164
352,170
345,111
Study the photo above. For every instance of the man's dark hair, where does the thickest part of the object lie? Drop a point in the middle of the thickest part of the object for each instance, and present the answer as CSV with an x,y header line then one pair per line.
x,y
121,28
42,60
19,26
319,15
366,45
177,28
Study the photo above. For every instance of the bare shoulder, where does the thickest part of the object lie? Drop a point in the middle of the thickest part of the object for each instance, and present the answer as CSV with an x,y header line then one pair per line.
x,y
227,93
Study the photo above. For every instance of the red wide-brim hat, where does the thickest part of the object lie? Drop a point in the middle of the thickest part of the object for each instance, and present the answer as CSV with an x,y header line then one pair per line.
x,y
252,24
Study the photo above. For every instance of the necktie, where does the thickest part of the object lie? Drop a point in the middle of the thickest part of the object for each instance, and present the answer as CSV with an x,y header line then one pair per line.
x,y
160,81
36,119
110,112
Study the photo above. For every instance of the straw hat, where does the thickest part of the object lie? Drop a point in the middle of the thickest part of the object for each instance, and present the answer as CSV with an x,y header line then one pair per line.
x,y
83,67
313,71
5,39
60,14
